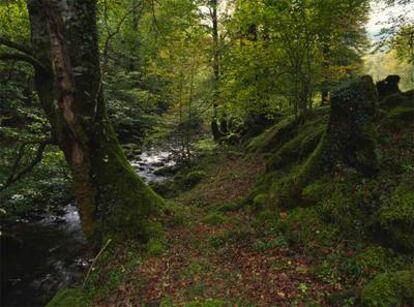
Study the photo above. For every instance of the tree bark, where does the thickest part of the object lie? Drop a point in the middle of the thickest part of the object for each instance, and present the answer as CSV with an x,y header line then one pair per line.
x,y
111,196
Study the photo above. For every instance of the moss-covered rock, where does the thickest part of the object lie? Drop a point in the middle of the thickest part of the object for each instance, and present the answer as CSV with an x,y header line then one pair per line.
x,y
396,217
274,136
390,289
300,146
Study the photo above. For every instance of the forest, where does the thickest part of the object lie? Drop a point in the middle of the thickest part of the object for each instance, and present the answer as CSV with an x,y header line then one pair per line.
x,y
206,153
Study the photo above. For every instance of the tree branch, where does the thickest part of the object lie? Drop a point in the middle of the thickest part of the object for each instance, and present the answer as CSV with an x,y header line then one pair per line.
x,y
24,58
15,176
20,47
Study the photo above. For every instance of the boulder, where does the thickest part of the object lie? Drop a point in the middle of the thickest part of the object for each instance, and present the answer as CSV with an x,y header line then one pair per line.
x,y
388,86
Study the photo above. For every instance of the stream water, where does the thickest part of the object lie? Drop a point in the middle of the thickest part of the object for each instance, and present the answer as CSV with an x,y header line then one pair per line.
x,y
39,257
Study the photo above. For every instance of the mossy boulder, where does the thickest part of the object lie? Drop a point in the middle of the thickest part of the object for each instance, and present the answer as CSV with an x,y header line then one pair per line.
x,y
390,289
272,138
396,217
301,144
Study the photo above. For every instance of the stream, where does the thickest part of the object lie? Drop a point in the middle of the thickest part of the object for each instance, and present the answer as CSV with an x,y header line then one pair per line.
x,y
40,257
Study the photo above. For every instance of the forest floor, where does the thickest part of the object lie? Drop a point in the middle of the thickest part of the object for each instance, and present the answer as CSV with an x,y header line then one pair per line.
x,y
215,256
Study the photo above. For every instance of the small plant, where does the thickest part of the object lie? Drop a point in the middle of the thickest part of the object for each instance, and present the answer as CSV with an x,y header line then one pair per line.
x,y
155,247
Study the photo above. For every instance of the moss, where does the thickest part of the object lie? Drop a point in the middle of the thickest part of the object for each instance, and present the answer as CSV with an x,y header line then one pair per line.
x,y
303,227
271,138
69,298
399,115
155,247
351,135
267,222
196,267
115,266
219,239
300,146
192,178
128,207
214,218
390,289
167,188
207,303
316,191
260,201
232,206
374,259
341,208
396,100
396,216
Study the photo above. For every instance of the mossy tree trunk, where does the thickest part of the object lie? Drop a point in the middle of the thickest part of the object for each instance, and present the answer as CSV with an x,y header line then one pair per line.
x,y
111,196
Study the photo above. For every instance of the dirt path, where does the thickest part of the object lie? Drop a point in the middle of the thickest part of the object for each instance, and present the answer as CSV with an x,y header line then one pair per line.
x,y
217,258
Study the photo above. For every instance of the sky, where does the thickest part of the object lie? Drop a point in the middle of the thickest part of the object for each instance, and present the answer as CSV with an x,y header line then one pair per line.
x,y
380,16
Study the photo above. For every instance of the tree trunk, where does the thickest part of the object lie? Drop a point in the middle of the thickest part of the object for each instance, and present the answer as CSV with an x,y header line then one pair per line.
x,y
111,196
215,123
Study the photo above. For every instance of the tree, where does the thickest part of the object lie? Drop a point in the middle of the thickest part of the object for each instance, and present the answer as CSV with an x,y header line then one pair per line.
x,y
65,56
282,53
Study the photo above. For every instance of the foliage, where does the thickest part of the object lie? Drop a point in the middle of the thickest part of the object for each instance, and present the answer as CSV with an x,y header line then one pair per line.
x,y
46,189
389,289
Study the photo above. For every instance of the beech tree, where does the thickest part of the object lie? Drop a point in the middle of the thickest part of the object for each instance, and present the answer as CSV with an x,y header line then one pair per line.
x,y
65,56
